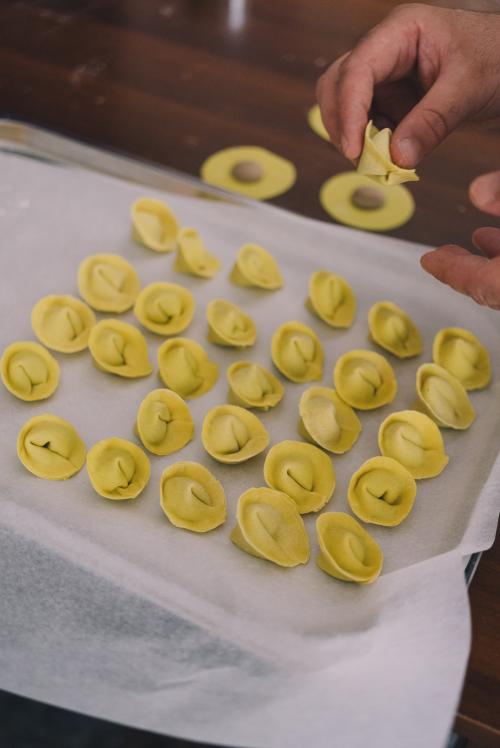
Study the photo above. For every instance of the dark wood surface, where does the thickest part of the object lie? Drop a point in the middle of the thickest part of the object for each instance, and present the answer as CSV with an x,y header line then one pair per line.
x,y
172,81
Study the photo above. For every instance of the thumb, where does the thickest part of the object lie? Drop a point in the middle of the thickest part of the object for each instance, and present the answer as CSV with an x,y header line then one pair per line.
x,y
469,274
484,192
429,122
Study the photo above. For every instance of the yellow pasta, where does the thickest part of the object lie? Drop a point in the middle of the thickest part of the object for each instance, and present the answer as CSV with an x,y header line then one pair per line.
x,y
331,298
164,422
185,368
254,266
192,257
154,225
415,441
118,469
443,397
192,498
394,330
229,326
327,421
49,447
364,379
108,283
165,308
462,354
253,386
382,492
347,551
297,352
232,434
62,323
29,371
119,348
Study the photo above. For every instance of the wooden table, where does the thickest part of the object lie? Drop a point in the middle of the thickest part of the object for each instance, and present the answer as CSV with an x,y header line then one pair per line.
x,y
172,81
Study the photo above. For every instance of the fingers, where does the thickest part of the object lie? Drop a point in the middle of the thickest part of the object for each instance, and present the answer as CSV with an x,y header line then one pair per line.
x,y
487,240
469,274
484,193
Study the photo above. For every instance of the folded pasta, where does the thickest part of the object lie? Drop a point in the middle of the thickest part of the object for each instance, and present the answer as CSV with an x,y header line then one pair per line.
x,y
327,421
253,386
165,308
347,551
193,257
382,492
62,323
415,441
232,434
119,348
164,422
108,283
364,379
462,354
185,368
50,447
118,469
228,325
376,161
255,266
29,371
331,298
192,498
297,352
393,329
443,397
154,225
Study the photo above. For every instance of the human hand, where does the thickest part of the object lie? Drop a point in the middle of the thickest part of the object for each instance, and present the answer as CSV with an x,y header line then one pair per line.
x,y
423,70
475,276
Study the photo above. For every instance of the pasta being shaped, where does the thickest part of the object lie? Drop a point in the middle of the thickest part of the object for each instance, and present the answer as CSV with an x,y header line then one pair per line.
x,y
192,498
185,368
327,421
297,352
228,325
50,447
118,469
165,308
255,266
193,258
393,329
154,225
119,348
164,422
231,434
382,492
269,526
29,371
415,441
331,298
253,386
347,551
62,323
301,471
462,354
108,283
443,397
364,379
376,162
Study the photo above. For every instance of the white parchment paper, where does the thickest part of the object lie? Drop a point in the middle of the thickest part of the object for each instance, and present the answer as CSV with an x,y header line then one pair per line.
x,y
108,609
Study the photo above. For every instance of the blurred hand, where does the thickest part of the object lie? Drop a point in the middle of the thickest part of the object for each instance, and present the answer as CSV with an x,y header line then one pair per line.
x,y
422,71
475,276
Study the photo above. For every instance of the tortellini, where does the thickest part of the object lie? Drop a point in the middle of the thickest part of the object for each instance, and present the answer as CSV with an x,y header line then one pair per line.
x,y
327,421
415,441
331,298
62,323
165,308
108,283
185,368
364,379
297,352
232,434
443,397
164,422
118,469
49,447
463,355
253,386
29,371
303,472
119,348
254,266
192,256
347,551
228,325
192,498
270,527
376,162
382,492
392,329
154,225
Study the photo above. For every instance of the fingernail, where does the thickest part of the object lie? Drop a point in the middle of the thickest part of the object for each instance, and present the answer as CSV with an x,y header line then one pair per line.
x,y
409,152
344,144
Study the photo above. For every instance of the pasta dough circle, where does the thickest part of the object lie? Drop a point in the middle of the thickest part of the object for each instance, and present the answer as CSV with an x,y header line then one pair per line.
x,y
29,371
376,161
347,551
415,441
270,527
382,492
185,368
154,225
278,174
119,348
62,323
50,447
164,308
256,267
231,434
336,197
327,420
297,352
364,379
193,257
118,469
164,422
192,498
301,471
228,325
253,386
316,123
462,354
394,330
443,397
331,298
108,283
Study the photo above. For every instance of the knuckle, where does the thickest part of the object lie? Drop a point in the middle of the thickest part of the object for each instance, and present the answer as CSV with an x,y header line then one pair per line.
x,y
436,123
